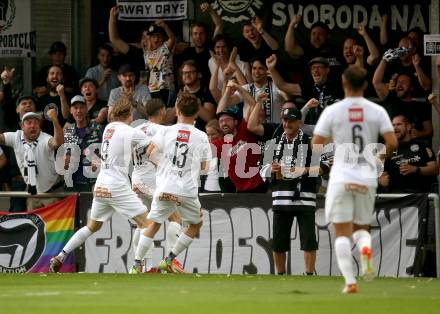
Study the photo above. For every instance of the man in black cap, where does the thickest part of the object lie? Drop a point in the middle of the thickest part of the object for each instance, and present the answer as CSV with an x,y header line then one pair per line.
x,y
321,88
138,93
293,183
57,54
154,53
239,154
159,62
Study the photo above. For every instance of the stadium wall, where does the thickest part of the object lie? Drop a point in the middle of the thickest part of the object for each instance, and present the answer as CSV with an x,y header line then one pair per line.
x,y
236,239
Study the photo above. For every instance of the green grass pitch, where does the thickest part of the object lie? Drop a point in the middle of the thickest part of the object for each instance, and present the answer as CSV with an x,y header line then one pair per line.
x,y
190,293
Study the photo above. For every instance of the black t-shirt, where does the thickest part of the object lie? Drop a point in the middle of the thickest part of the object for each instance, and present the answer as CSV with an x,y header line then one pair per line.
x,y
396,68
327,94
200,58
272,130
10,117
134,57
45,100
70,76
326,51
416,111
205,96
248,52
414,153
98,105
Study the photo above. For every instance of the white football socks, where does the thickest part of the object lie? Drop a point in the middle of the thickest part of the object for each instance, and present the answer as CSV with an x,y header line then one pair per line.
x,y
145,243
75,241
173,232
183,242
135,240
362,238
148,258
343,257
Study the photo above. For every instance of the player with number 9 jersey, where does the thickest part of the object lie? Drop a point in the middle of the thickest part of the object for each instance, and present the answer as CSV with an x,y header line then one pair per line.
x,y
113,188
119,141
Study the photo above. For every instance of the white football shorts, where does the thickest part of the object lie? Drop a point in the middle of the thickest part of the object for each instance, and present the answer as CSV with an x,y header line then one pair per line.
x,y
108,200
342,205
164,204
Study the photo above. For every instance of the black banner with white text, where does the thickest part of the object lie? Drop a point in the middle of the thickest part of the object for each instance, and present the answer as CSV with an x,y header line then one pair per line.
x,y
237,233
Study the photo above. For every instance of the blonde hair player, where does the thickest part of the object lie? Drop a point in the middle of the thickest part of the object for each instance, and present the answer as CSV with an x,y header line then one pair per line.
x,y
112,192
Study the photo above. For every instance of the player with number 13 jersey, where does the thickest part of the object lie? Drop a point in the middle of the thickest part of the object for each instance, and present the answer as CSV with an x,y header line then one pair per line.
x,y
183,148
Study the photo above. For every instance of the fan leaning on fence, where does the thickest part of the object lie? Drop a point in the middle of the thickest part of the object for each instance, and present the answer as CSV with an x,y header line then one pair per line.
x,y
35,154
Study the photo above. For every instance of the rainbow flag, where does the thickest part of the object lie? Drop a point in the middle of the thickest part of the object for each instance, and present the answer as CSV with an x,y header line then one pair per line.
x,y
28,240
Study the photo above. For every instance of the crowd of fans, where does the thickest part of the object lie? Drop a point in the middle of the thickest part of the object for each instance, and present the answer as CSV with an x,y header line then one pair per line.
x,y
230,79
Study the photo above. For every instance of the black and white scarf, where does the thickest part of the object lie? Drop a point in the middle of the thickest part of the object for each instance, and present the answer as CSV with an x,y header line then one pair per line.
x,y
30,164
294,151
267,105
321,98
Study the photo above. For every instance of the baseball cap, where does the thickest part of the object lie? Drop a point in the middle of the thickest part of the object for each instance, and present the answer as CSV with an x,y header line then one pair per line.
x,y
292,114
88,79
21,98
154,29
77,98
57,46
321,60
228,112
125,68
31,115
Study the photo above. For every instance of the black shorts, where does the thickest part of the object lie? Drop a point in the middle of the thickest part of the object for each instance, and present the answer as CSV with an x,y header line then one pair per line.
x,y
282,226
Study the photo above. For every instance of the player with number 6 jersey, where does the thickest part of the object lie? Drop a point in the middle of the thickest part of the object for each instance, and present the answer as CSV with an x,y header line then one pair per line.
x,y
355,125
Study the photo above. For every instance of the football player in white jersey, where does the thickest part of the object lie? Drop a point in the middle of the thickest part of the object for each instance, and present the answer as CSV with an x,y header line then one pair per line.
x,y
144,179
184,153
112,190
354,124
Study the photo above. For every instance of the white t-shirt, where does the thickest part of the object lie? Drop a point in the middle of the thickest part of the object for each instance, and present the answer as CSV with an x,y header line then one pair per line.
x,y
144,171
276,99
354,123
160,64
46,176
183,148
119,142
